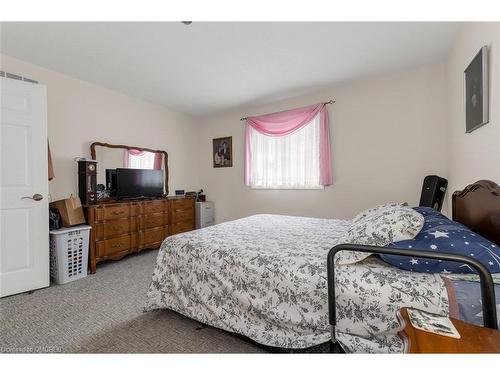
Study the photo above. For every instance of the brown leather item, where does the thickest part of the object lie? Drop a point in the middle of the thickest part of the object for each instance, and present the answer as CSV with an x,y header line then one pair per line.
x,y
478,207
51,173
454,311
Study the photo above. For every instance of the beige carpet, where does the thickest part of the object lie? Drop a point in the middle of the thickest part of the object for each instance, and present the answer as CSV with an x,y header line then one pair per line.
x,y
103,314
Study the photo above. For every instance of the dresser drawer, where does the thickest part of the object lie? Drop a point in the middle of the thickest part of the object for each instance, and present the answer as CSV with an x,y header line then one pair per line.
x,y
114,246
153,220
154,236
154,207
207,211
182,226
207,222
116,227
182,215
177,204
116,212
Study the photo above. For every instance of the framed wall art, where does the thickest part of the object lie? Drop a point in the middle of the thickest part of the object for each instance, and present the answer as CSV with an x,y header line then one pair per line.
x,y
223,152
476,91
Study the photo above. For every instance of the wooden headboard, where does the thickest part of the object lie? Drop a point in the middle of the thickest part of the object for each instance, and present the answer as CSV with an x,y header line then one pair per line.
x,y
478,207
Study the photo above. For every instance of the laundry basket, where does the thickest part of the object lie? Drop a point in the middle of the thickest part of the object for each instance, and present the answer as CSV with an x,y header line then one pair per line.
x,y
69,253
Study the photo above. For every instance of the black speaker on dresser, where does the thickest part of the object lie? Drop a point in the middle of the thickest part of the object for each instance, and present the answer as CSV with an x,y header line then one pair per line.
x,y
87,181
433,191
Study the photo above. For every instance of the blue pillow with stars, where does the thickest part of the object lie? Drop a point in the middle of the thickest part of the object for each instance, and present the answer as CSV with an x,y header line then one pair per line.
x,y
443,235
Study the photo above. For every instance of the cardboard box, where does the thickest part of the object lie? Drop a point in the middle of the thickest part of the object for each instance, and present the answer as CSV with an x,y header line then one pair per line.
x,y
71,211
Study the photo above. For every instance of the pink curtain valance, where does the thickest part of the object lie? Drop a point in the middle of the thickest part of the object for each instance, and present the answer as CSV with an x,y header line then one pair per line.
x,y
284,123
130,152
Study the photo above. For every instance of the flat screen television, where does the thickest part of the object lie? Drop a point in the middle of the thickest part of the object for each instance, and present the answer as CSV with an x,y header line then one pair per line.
x,y
137,183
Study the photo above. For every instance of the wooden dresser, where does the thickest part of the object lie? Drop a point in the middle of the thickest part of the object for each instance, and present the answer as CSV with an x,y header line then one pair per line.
x,y
123,227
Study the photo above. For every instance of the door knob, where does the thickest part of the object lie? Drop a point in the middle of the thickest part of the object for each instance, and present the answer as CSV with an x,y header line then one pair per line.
x,y
35,197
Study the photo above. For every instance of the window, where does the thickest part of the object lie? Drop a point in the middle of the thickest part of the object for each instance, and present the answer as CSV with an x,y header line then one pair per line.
x,y
286,162
141,160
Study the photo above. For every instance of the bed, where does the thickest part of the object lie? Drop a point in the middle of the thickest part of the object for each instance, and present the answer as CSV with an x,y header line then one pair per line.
x,y
264,277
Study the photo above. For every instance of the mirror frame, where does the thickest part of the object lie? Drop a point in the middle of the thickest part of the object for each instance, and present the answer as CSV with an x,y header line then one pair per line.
x,y
165,155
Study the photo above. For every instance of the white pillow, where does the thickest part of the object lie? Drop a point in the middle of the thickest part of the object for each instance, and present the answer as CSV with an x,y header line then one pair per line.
x,y
373,210
380,228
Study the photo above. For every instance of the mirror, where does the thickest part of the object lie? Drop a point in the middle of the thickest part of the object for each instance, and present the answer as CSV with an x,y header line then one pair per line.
x,y
109,156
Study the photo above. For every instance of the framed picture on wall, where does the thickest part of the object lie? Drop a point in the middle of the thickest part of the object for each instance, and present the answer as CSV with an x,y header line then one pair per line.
x,y
223,152
476,91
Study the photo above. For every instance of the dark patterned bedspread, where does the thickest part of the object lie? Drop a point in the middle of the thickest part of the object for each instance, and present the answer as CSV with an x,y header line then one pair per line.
x,y
264,277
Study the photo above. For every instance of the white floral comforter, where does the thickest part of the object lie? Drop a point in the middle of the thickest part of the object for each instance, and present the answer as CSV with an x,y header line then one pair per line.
x,y
264,277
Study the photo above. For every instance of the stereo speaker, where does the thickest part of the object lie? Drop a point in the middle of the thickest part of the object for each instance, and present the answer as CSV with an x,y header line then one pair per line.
x,y
433,191
87,181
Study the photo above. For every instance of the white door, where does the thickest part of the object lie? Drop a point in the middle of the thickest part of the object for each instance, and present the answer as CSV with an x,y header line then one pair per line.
x,y
24,227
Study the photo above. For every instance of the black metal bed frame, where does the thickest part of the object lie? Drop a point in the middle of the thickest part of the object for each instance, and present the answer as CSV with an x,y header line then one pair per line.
x,y
486,282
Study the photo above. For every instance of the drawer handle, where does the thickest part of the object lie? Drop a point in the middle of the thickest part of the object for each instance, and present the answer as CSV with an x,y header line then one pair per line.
x,y
117,227
117,245
118,212
208,208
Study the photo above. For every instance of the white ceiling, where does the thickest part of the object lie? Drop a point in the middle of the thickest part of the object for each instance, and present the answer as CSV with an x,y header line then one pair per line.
x,y
209,67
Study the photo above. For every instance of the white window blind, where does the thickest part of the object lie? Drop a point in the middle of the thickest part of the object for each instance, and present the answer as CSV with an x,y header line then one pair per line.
x,y
287,162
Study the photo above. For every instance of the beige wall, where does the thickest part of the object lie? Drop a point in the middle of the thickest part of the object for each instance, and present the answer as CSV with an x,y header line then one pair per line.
x,y
387,133
473,156
80,113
